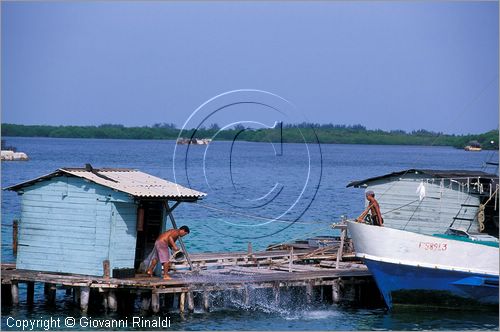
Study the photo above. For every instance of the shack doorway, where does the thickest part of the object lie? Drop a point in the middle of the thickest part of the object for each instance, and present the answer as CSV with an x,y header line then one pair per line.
x,y
148,229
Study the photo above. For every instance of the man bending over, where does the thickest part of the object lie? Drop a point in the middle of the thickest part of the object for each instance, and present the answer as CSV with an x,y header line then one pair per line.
x,y
161,251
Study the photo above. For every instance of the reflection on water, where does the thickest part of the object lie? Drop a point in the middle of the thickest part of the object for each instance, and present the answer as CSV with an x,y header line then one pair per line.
x,y
267,317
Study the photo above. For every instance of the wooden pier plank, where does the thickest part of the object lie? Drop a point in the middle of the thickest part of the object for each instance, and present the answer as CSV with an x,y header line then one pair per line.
x,y
237,271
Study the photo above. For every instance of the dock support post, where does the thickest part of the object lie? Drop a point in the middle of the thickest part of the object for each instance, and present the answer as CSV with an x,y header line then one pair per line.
x,y
105,301
84,298
155,302
206,301
276,291
50,293
190,301
145,301
76,295
309,293
112,302
336,291
182,302
68,291
350,294
6,294
340,252
14,290
360,293
246,295
30,292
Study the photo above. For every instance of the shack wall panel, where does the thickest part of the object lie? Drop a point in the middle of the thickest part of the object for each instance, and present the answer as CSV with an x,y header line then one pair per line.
x,y
123,236
56,222
56,249
58,227
63,208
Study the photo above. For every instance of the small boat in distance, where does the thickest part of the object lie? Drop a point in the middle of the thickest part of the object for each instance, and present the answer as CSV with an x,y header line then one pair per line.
x,y
194,141
473,146
447,270
10,153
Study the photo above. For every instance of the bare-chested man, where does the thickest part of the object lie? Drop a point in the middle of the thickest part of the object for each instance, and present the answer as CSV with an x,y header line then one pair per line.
x,y
161,249
373,208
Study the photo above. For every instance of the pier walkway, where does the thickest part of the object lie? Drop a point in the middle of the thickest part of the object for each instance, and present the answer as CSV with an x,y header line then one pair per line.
x,y
312,273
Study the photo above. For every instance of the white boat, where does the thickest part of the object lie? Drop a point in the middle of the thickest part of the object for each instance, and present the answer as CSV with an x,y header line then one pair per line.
x,y
445,270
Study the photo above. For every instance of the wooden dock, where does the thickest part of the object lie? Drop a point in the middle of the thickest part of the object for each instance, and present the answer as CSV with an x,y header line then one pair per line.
x,y
315,275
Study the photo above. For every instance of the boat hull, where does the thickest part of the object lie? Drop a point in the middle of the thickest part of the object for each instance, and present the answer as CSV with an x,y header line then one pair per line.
x,y
416,269
410,285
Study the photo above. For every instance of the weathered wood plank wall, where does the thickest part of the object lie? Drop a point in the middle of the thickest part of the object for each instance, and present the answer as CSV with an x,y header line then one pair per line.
x,y
71,225
433,214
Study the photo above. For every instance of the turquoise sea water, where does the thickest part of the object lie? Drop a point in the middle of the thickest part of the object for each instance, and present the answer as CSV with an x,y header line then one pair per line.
x,y
248,186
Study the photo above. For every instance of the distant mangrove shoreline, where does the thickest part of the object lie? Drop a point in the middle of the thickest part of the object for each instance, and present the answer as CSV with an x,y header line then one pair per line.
x,y
289,133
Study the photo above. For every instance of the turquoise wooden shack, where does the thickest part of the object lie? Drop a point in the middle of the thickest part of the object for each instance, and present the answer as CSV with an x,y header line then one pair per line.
x,y
82,220
430,201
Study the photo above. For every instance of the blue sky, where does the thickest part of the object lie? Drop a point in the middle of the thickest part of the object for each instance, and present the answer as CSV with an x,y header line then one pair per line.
x,y
387,65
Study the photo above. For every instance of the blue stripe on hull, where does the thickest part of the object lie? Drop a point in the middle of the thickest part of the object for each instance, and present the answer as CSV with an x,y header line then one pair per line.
x,y
405,284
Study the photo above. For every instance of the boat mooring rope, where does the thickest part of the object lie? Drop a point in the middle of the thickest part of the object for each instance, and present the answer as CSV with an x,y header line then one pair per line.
x,y
252,216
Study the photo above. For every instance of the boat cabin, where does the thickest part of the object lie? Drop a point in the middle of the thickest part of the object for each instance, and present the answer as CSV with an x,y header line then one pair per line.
x,y
432,201
89,220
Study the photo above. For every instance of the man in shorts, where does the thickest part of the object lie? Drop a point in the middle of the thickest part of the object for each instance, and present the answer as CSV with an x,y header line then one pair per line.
x,y
161,251
374,209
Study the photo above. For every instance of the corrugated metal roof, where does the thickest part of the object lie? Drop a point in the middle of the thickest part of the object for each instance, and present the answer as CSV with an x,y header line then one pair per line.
x,y
130,181
433,173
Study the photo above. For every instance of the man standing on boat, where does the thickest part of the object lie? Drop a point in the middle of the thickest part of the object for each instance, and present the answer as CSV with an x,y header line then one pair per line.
x,y
373,208
161,251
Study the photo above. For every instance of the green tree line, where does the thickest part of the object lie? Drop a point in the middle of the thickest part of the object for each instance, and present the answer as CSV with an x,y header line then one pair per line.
x,y
290,133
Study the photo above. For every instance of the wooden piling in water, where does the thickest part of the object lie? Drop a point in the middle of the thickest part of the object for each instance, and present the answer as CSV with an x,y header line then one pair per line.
x,y
145,301
84,298
309,293
276,292
182,302
190,301
155,302
76,295
246,295
206,301
104,299
50,293
6,294
112,301
14,290
336,291
30,292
